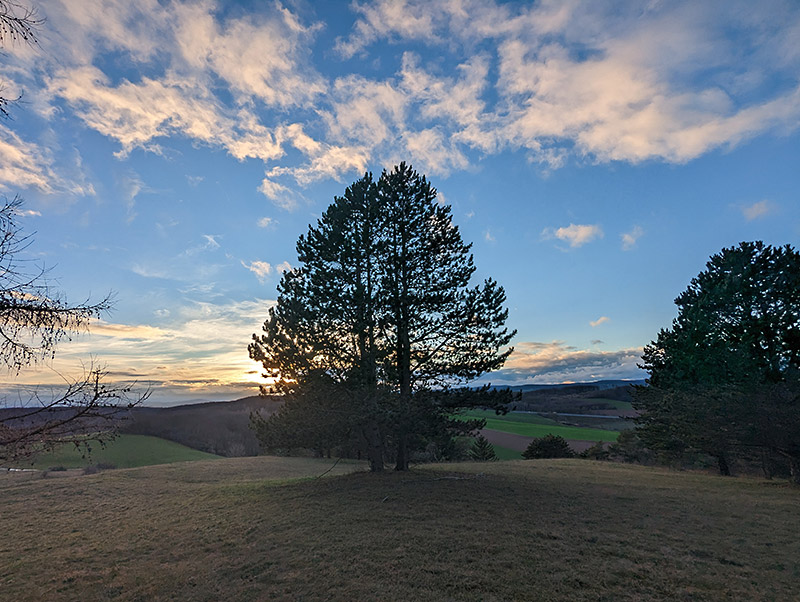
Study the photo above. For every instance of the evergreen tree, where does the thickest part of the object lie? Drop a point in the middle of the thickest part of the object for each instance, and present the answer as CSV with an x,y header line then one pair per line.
x,y
730,362
482,450
382,305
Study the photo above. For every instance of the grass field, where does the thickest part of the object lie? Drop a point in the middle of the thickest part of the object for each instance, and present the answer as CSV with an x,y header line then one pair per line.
x,y
505,453
533,425
126,451
249,529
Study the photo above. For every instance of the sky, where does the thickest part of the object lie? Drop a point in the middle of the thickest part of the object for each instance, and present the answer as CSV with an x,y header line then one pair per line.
x,y
595,154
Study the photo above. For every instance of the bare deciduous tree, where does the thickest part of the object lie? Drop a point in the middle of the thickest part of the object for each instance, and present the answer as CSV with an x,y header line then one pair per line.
x,y
33,319
18,23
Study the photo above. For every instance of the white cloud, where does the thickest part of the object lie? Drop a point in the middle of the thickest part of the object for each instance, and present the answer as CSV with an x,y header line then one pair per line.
x,y
596,82
211,241
576,235
758,210
558,362
265,222
261,269
283,266
600,320
629,238
488,237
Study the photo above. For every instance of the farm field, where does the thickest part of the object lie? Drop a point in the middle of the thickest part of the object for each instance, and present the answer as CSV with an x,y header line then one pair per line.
x,y
126,451
532,425
265,528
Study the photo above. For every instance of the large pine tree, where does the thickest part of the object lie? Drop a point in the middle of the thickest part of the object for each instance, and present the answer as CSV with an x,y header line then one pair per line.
x,y
382,305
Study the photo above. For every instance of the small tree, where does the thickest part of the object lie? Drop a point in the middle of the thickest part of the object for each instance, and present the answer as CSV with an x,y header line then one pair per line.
x,y
482,450
598,451
549,446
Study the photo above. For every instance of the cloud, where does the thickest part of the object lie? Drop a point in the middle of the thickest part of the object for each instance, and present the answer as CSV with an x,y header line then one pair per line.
x,y
597,342
629,238
283,266
211,241
576,235
261,269
557,81
266,222
488,236
200,352
598,321
558,362
758,210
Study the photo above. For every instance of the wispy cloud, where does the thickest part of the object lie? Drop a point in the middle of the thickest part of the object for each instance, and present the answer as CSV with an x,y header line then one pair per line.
x,y
599,321
629,238
261,269
558,362
576,235
266,222
758,210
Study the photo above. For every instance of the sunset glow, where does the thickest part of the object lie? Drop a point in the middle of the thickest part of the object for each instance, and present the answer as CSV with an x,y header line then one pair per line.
x,y
595,153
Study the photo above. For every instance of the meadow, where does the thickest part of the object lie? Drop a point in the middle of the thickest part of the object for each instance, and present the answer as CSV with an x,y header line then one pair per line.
x,y
125,451
266,528
533,425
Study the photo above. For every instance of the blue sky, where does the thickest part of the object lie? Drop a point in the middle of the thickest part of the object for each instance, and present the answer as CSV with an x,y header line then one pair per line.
x,y
595,153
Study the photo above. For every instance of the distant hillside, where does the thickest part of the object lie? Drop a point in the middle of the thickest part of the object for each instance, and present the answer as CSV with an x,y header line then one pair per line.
x,y
218,427
597,385
610,397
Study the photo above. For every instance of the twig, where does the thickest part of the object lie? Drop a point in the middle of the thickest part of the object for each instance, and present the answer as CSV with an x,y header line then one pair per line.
x,y
330,469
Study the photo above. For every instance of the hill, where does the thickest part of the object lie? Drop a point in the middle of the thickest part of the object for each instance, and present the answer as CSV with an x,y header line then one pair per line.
x,y
220,427
255,529
126,451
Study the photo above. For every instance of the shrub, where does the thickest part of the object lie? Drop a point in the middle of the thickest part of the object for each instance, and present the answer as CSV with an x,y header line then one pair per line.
x,y
482,450
549,446
595,452
630,448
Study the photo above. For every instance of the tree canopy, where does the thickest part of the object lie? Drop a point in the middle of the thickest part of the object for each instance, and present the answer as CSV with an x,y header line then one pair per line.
x,y
382,307
731,361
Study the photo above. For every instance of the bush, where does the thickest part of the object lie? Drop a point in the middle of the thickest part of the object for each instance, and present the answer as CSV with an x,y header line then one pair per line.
x,y
482,450
595,452
630,448
549,446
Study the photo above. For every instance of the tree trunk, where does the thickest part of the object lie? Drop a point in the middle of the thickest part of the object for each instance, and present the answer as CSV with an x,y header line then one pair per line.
x,y
794,465
794,469
402,453
722,462
374,446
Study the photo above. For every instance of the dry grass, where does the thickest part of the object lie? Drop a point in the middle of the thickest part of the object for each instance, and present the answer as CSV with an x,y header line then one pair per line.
x,y
248,529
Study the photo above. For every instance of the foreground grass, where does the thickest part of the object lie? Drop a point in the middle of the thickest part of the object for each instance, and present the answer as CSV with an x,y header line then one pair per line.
x,y
126,451
243,529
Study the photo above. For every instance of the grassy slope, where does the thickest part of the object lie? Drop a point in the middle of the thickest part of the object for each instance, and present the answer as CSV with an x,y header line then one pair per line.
x,y
532,425
126,451
546,530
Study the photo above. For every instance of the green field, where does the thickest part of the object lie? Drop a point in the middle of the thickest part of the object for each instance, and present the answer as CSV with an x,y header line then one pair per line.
x,y
532,425
261,529
126,451
616,404
505,453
